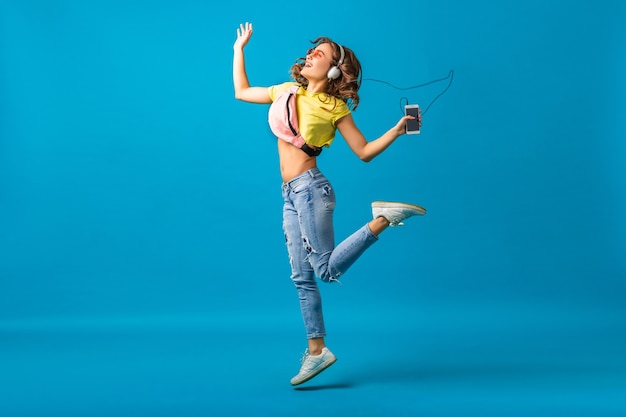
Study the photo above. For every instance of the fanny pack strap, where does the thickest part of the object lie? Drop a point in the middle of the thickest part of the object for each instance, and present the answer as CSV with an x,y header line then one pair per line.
x,y
311,151
291,113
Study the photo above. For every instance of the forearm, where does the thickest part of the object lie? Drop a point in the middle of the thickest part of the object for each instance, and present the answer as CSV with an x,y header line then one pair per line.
x,y
240,77
366,151
374,148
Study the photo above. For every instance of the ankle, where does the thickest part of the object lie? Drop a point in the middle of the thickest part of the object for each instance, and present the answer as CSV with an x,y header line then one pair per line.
x,y
378,224
315,346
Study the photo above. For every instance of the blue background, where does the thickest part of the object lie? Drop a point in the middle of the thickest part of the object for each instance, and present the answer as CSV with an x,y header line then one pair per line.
x,y
143,268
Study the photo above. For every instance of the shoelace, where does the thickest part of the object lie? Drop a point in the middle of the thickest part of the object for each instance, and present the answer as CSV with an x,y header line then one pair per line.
x,y
304,355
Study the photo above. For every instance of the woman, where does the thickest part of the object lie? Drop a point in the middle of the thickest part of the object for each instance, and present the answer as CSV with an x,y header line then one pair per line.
x,y
324,92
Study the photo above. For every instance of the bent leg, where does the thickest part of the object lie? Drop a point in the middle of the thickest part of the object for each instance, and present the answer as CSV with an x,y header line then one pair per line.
x,y
351,249
316,226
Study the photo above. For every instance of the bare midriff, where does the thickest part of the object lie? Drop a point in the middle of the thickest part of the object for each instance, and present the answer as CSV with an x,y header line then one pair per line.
x,y
293,161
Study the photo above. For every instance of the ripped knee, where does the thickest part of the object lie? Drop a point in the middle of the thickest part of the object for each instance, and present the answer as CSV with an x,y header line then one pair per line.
x,y
322,271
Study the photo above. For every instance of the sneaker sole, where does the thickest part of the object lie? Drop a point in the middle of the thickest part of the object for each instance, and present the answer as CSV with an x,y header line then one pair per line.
x,y
380,204
308,378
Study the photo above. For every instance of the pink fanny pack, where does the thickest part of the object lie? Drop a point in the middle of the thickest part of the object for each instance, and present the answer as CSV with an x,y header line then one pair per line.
x,y
283,120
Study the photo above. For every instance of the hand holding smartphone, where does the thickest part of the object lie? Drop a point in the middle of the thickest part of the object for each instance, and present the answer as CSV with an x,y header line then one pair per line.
x,y
412,125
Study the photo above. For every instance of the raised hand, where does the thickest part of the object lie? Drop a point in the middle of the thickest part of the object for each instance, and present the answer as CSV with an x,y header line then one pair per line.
x,y
244,32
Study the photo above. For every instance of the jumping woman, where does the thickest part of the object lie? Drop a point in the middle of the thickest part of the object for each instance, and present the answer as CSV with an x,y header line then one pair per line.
x,y
304,115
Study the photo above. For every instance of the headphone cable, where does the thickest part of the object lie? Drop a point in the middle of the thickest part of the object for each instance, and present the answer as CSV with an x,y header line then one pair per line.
x,y
450,76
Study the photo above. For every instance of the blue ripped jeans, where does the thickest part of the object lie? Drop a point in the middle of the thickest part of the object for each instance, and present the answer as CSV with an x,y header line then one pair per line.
x,y
308,226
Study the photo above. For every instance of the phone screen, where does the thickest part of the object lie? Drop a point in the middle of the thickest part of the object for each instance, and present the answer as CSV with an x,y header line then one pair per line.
x,y
412,126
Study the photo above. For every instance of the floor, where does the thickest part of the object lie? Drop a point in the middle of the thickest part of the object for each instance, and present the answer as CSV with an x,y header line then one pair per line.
x,y
432,361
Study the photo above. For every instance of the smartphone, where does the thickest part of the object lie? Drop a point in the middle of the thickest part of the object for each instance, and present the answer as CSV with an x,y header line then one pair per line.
x,y
412,125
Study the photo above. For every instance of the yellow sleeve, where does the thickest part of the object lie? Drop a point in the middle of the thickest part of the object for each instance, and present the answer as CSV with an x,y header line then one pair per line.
x,y
341,111
275,90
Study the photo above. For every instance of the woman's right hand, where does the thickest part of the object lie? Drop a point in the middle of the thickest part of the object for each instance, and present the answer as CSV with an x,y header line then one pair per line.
x,y
244,32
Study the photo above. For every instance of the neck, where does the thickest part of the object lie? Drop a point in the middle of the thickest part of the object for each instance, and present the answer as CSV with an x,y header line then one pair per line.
x,y
317,86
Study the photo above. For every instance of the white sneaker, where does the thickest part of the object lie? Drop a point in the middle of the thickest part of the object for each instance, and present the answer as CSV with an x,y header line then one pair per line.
x,y
395,213
313,365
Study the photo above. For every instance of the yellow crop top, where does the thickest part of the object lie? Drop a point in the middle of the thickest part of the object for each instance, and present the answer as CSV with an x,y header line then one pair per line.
x,y
317,114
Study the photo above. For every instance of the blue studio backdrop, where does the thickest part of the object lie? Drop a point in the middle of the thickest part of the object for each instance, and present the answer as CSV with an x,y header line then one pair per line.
x,y
138,197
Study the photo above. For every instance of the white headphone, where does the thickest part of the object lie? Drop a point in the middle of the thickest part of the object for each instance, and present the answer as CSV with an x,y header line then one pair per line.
x,y
334,72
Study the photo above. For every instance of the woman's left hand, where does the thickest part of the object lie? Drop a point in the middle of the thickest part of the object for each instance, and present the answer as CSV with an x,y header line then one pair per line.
x,y
400,127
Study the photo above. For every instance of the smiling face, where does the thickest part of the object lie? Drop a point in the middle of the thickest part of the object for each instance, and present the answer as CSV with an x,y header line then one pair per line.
x,y
311,71
318,62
